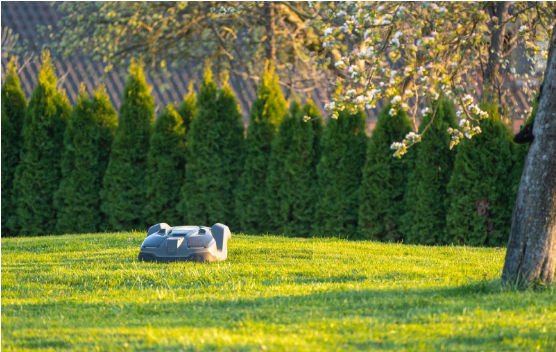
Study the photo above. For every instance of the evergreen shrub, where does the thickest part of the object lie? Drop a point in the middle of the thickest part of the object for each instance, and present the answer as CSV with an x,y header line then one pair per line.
x,y
188,107
215,143
166,168
339,175
124,196
267,112
38,175
13,114
91,127
425,197
479,191
385,179
292,177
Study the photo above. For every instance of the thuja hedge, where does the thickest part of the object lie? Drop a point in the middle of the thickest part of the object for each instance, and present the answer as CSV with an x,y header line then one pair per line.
x,y
339,175
165,168
292,175
479,204
7,171
384,179
302,177
38,174
188,107
424,220
267,112
13,113
124,196
87,143
215,143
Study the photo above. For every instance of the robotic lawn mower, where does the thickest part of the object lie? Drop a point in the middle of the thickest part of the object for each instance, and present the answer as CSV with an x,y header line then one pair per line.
x,y
185,243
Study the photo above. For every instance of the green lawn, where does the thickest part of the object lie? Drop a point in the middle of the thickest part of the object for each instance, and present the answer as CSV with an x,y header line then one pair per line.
x,y
88,292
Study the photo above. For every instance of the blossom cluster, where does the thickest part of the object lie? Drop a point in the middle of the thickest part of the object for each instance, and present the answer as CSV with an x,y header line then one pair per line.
x,y
455,136
400,148
412,53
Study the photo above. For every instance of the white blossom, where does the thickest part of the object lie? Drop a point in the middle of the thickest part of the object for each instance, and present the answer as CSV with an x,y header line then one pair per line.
x,y
370,51
367,33
340,64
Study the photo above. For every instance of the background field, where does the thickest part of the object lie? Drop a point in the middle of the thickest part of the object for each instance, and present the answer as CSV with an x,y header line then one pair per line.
x,y
88,292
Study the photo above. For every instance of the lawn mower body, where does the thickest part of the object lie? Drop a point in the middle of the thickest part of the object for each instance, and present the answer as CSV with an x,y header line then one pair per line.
x,y
185,243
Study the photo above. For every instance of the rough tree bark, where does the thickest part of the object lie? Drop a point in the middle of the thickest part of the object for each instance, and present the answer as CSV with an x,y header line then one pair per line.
x,y
270,32
531,254
496,48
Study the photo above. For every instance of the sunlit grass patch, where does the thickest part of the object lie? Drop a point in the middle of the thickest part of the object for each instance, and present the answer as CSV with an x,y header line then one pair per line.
x,y
89,292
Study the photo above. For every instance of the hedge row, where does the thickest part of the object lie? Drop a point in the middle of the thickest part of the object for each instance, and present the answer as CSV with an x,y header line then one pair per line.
x,y
84,169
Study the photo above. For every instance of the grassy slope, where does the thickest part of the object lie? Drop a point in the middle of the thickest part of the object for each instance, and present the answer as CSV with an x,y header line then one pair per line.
x,y
88,292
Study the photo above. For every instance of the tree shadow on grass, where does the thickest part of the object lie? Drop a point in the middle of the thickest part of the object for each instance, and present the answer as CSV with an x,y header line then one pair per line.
x,y
352,319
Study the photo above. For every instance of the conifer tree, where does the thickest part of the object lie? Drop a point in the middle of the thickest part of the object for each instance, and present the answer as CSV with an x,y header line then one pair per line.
x,y
13,113
15,105
479,209
166,168
232,144
384,179
291,180
91,125
7,171
215,143
107,123
276,178
38,174
425,196
188,108
339,175
125,189
267,112
300,168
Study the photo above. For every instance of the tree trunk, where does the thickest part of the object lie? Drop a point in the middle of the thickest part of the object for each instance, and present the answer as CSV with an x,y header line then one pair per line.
x,y
531,254
270,32
491,74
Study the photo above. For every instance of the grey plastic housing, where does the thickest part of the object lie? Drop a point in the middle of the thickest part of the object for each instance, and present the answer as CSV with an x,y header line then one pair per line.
x,y
185,243
156,228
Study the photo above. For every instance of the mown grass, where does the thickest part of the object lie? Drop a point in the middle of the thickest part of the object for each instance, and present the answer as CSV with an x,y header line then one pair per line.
x,y
88,292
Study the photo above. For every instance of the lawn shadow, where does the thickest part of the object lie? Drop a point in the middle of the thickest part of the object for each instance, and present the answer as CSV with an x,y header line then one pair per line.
x,y
352,314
